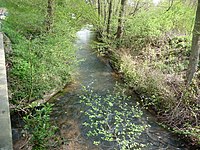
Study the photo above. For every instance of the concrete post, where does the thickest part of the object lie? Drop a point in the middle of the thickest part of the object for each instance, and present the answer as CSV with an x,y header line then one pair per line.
x,y
5,124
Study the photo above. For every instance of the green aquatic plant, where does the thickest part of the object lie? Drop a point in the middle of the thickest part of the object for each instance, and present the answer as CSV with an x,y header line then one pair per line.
x,y
111,118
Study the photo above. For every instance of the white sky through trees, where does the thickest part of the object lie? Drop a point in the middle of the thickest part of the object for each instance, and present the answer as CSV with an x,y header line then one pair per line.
x,y
156,2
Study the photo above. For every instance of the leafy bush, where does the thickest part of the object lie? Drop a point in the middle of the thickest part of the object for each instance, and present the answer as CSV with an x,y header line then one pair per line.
x,y
153,23
40,61
39,127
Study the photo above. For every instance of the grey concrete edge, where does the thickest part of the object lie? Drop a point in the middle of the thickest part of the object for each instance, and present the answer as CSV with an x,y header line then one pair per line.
x,y
5,122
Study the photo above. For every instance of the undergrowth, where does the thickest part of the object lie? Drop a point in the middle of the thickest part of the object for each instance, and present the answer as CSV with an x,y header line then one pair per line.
x,y
38,126
39,61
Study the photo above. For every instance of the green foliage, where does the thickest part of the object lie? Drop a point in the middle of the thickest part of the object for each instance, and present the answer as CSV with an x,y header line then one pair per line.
x,y
158,43
39,127
193,131
83,12
153,56
181,15
110,118
40,61
153,23
172,56
27,16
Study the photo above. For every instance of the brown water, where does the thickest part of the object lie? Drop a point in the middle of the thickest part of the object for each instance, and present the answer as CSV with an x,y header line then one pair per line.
x,y
94,72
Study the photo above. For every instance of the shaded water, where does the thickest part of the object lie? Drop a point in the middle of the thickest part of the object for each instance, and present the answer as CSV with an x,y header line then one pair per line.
x,y
96,73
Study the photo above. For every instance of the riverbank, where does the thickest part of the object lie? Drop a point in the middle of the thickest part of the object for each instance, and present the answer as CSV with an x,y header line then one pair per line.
x,y
162,94
39,61
152,55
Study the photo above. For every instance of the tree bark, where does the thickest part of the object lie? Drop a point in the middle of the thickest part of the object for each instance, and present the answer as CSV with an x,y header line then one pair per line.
x,y
49,18
109,17
120,28
195,50
105,12
99,7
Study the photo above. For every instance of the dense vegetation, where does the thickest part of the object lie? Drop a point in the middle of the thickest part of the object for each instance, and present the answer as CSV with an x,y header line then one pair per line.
x,y
40,59
149,45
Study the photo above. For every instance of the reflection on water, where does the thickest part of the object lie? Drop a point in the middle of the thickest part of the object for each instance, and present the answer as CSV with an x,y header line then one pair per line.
x,y
96,73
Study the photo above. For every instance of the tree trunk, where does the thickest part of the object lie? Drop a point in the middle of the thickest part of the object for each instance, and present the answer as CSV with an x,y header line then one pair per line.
x,y
120,28
49,18
99,7
105,12
136,8
109,17
195,51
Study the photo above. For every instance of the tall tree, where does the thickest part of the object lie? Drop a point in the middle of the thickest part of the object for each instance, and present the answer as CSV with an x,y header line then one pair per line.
x,y
120,28
49,18
195,51
99,7
105,11
109,16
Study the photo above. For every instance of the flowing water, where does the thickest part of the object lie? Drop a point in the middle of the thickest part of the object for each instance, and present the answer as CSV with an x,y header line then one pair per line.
x,y
96,73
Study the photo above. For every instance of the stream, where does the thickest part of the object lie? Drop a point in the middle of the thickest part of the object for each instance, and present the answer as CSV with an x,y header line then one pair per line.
x,y
95,72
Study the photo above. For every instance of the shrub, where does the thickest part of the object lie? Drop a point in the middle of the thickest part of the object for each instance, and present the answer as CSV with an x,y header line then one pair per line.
x,y
40,61
37,123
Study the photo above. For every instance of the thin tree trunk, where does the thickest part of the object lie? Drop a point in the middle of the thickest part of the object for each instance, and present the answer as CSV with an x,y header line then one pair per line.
x,y
49,19
99,7
105,11
109,17
135,9
195,51
120,28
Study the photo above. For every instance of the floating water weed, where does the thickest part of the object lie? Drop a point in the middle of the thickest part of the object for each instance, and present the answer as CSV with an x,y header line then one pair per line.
x,y
110,118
